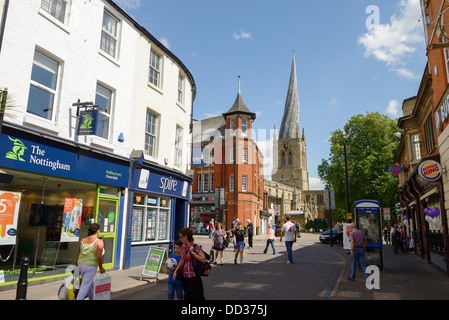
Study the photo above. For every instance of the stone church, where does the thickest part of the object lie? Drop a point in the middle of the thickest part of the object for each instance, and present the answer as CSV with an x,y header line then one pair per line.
x,y
288,190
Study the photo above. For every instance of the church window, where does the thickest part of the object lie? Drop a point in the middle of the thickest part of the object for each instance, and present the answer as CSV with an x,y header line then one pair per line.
x,y
283,159
290,158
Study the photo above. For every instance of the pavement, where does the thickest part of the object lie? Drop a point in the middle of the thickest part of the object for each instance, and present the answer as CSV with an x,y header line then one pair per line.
x,y
404,277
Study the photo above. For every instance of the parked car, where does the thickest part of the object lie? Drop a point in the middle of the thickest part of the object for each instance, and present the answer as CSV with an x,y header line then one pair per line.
x,y
325,236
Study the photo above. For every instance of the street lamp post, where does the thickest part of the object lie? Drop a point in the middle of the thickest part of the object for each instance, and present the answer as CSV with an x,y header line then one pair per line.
x,y
348,202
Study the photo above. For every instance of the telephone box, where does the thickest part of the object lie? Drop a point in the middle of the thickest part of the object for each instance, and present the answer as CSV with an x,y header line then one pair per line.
x,y
368,220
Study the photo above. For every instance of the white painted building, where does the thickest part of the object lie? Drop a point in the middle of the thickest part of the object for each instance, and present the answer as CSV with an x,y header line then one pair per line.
x,y
131,175
96,53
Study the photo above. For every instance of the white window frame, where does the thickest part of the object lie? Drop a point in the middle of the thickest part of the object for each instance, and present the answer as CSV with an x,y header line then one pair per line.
x,y
105,113
245,155
211,182
154,135
231,182
233,124
231,155
107,34
205,182
52,6
244,183
200,185
178,146
415,147
43,87
181,84
244,126
155,69
446,62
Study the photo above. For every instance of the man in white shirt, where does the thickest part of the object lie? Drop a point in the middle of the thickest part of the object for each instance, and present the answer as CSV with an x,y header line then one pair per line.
x,y
289,230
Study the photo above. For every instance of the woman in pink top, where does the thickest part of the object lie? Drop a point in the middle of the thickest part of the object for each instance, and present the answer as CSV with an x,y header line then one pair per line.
x,y
270,239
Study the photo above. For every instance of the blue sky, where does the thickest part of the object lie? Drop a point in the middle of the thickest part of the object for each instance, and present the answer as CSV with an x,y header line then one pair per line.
x,y
351,57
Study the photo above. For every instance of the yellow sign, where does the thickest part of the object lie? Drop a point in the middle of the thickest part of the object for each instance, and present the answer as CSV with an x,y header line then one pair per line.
x,y
349,215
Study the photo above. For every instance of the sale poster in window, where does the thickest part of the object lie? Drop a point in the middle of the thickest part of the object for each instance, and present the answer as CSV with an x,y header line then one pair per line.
x,y
71,220
9,212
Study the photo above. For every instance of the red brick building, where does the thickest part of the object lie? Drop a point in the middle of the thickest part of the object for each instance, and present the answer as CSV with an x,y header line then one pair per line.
x,y
228,170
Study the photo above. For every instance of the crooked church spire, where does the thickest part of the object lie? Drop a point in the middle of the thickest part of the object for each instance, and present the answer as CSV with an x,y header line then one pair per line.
x,y
290,120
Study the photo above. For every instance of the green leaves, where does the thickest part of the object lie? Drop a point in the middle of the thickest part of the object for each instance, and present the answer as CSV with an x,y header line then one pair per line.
x,y
371,150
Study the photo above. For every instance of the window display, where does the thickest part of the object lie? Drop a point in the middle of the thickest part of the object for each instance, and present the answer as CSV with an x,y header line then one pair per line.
x,y
151,218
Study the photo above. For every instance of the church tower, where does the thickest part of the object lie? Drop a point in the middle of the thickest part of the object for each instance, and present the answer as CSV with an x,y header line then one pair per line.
x,y
291,166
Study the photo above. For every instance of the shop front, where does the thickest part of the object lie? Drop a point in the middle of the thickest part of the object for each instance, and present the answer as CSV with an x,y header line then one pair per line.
x,y
50,191
202,210
158,210
423,216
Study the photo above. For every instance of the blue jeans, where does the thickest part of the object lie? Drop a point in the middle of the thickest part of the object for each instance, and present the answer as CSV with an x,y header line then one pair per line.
x,y
289,245
269,241
175,287
359,255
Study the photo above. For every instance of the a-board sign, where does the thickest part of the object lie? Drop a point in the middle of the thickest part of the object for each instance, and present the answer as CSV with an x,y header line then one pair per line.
x,y
153,263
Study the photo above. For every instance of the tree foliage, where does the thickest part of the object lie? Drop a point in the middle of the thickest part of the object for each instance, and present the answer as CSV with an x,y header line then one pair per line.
x,y
371,149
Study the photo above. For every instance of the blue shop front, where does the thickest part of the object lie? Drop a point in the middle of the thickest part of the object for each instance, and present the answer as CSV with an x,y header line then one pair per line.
x,y
158,210
51,189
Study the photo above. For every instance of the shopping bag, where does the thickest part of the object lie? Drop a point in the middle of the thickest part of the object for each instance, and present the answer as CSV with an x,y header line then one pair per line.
x,y
69,289
102,287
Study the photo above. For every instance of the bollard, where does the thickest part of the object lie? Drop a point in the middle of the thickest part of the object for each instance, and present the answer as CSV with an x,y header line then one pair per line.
x,y
22,284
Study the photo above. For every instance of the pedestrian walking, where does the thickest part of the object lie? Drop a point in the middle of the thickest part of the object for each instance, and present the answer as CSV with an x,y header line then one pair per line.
x,y
239,242
386,233
395,238
211,228
218,242
250,229
90,256
191,283
358,248
289,231
270,239
175,285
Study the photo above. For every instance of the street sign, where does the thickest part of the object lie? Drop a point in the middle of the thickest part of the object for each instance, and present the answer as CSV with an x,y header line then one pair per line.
x,y
387,214
277,209
395,169
330,199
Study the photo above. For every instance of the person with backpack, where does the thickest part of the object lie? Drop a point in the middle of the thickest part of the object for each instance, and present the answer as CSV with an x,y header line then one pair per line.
x,y
191,255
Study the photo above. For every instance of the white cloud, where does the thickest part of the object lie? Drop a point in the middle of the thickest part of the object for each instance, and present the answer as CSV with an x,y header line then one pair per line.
x,y
129,4
165,42
403,72
242,35
332,102
393,42
316,184
393,108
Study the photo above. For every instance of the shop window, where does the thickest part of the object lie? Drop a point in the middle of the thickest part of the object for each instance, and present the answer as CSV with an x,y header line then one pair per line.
x,y
150,218
53,216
